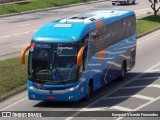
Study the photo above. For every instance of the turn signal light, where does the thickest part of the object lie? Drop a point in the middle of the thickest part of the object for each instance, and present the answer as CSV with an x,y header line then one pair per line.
x,y
38,84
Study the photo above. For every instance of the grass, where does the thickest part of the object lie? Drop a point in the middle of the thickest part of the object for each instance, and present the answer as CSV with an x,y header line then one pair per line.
x,y
148,23
35,5
13,76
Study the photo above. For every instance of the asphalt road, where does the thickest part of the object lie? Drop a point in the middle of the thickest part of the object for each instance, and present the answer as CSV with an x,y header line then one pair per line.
x,y
17,31
138,92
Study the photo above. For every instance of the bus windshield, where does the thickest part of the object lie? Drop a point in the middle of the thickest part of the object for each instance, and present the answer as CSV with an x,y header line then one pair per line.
x,y
51,63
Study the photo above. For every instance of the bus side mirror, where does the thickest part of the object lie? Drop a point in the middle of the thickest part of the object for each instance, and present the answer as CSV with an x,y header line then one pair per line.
x,y
80,56
22,56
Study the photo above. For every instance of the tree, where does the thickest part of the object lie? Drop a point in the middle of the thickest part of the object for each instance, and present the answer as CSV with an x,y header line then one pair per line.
x,y
154,7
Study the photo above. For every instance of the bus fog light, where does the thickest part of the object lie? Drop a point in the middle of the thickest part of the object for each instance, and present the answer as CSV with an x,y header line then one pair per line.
x,y
70,97
82,89
33,96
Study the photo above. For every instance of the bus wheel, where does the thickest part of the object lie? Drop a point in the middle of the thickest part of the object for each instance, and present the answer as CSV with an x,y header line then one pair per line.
x,y
123,71
133,2
89,90
113,3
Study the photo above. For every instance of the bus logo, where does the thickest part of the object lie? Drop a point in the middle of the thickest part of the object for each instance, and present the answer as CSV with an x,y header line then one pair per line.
x,y
60,48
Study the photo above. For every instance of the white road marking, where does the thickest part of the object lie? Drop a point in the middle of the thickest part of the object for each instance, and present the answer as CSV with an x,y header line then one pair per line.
x,y
148,78
61,12
7,36
120,108
155,70
148,38
158,98
135,96
145,9
142,86
27,32
25,25
97,109
3,109
144,97
83,109
17,34
142,106
154,85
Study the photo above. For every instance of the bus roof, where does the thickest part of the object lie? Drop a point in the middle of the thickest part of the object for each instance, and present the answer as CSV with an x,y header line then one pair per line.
x,y
74,28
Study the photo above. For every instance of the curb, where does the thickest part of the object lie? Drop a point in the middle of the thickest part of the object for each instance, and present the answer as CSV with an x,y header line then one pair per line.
x,y
52,8
13,94
151,31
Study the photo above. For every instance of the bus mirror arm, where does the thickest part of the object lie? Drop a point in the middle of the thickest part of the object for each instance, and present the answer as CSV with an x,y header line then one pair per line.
x,y
93,35
22,55
80,56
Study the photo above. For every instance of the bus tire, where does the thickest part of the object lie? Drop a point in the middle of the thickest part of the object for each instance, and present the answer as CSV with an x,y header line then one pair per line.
x,y
113,3
133,2
123,71
89,90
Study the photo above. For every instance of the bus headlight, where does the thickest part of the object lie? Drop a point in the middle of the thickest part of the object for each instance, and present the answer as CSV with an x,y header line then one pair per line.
x,y
32,88
73,88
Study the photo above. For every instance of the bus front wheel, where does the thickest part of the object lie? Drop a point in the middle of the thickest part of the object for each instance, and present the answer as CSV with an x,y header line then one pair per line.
x,y
89,90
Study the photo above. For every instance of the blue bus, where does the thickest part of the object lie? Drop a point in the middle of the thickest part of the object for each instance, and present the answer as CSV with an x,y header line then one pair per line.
x,y
72,57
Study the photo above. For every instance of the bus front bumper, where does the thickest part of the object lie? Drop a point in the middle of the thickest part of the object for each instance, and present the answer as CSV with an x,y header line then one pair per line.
x,y
71,94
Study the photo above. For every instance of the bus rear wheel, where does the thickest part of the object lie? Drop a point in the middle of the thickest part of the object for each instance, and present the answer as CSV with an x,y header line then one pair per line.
x,y
133,2
89,91
123,71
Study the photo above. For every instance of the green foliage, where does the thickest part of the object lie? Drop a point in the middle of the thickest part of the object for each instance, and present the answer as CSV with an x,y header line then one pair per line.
x,y
13,76
35,5
148,23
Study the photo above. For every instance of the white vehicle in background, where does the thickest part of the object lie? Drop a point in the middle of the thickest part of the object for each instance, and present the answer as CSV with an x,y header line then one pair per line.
x,y
123,1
